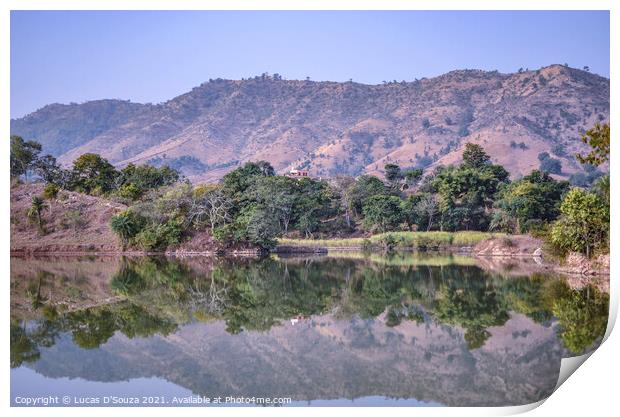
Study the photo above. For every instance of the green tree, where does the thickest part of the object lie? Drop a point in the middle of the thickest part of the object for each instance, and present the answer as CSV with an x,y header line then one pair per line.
x,y
134,180
240,183
584,223
598,139
342,187
474,156
50,191
408,208
366,186
534,197
279,196
93,174
48,169
313,204
262,229
412,177
129,191
601,188
383,212
466,193
393,175
24,155
253,225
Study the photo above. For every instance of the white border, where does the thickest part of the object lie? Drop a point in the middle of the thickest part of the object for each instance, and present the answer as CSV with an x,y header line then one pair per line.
x,y
592,392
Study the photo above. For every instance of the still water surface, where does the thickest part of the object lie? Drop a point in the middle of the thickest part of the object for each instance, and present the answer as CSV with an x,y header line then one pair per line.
x,y
348,329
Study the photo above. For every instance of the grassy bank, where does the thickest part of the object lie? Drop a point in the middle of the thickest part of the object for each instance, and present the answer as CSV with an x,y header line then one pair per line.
x,y
400,239
405,258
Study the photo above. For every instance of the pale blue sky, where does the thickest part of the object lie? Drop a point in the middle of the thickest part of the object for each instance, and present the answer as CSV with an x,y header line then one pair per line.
x,y
68,56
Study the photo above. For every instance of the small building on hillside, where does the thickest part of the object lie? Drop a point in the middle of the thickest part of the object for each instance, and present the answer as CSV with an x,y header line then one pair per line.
x,y
297,173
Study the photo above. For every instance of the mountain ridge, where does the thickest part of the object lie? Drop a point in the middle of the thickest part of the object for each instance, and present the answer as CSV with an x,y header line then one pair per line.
x,y
335,128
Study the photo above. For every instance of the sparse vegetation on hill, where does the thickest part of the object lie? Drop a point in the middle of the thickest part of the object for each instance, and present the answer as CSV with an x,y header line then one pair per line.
x,y
251,207
332,128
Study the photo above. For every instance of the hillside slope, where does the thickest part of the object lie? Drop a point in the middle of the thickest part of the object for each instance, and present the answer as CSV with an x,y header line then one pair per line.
x,y
73,222
331,128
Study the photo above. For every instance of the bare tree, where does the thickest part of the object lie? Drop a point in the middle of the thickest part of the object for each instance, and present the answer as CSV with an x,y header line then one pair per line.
x,y
428,206
212,206
343,184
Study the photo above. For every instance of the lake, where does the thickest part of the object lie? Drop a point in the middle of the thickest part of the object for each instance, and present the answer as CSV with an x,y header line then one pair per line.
x,y
348,329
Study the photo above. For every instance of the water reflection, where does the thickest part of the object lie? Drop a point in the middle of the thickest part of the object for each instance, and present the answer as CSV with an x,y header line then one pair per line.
x,y
433,329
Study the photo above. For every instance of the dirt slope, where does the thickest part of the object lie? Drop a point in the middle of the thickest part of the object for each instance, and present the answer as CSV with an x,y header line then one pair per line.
x,y
73,222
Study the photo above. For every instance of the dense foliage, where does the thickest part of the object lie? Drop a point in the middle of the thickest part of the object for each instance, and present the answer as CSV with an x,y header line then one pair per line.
x,y
529,201
89,174
252,207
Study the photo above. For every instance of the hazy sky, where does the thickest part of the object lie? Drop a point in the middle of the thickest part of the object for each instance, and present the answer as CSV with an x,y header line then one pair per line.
x,y
143,56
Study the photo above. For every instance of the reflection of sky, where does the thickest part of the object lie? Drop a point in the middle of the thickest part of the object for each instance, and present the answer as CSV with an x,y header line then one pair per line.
x,y
25,380
373,401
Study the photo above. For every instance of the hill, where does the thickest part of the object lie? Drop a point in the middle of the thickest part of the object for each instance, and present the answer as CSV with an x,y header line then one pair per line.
x,y
334,128
74,223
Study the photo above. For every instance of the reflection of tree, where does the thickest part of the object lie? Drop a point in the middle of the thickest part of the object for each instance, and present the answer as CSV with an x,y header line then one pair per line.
x,y
475,337
33,291
89,328
23,348
396,314
582,317
254,295
92,327
530,296
472,304
127,280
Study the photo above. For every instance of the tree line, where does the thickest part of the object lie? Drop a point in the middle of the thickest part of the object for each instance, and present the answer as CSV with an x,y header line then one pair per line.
x,y
252,206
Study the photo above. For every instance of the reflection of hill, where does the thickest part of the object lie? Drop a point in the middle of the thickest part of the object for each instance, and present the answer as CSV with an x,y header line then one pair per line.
x,y
74,282
323,358
430,330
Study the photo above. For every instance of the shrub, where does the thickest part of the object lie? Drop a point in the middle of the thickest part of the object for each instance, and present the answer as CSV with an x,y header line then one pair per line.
x,y
129,191
584,224
389,242
126,225
157,237
224,234
50,191
147,239
535,226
